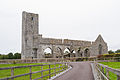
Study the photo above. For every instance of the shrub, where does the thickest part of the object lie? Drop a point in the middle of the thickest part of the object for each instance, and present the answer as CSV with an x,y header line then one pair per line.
x,y
100,56
117,55
109,55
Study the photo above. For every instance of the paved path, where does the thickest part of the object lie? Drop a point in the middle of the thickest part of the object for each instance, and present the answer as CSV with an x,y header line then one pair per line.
x,y
80,71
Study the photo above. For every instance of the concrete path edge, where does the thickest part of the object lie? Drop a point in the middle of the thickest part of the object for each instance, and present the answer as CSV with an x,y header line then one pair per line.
x,y
94,71
57,75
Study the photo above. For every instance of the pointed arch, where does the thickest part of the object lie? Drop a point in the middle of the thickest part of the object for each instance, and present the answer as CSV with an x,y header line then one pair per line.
x,y
34,53
73,53
59,53
66,52
79,52
100,49
48,52
86,52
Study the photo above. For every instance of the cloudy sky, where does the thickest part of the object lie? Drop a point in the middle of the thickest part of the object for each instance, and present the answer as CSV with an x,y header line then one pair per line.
x,y
69,19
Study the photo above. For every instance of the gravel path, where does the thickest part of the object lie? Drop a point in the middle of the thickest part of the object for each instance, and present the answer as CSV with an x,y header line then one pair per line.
x,y
80,71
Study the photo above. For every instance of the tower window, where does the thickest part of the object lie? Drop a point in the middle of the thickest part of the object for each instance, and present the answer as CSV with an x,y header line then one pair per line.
x,y
31,18
100,49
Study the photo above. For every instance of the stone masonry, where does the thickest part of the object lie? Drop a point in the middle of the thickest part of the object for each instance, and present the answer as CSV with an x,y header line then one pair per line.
x,y
33,44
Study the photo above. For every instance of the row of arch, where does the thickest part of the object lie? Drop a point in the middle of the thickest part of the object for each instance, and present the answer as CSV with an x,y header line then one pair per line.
x,y
66,53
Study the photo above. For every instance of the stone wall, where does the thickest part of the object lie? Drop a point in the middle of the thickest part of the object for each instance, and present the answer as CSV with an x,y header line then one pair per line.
x,y
34,45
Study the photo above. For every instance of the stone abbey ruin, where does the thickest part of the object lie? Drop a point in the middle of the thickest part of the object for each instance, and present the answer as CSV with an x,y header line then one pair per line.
x,y
34,45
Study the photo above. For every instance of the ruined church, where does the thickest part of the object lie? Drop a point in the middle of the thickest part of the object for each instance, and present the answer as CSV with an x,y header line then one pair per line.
x,y
34,44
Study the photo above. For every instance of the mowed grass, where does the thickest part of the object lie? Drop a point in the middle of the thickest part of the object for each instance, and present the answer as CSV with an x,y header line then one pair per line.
x,y
114,65
18,71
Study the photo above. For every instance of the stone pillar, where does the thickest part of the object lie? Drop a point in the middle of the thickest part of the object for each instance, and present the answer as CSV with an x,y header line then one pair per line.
x,y
62,53
83,54
76,53
53,51
40,52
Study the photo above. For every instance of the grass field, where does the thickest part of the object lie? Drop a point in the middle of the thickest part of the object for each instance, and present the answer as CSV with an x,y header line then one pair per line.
x,y
7,73
115,65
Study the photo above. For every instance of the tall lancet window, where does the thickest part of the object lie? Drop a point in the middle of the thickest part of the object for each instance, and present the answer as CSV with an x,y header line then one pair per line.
x,y
100,49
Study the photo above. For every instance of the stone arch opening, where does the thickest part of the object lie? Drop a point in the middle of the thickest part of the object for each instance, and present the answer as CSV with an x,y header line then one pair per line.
x,y
86,52
59,53
79,52
48,53
73,53
100,49
66,52
34,53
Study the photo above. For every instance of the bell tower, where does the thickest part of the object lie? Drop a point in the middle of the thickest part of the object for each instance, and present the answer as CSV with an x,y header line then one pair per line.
x,y
29,29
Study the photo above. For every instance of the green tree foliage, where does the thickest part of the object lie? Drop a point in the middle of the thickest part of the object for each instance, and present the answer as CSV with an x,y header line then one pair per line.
x,y
117,51
17,56
10,56
3,56
110,52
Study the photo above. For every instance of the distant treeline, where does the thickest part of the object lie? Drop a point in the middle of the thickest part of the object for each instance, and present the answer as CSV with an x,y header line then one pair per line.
x,y
10,56
112,52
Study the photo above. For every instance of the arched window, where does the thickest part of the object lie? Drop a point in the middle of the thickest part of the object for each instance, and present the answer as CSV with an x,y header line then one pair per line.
x,y
79,49
32,18
48,53
59,53
34,52
100,49
66,52
73,53
86,53
79,52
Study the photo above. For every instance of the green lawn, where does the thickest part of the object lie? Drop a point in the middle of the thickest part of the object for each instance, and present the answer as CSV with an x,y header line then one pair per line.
x,y
115,65
18,71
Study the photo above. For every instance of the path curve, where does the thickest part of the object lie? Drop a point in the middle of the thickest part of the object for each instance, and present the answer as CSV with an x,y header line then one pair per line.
x,y
80,71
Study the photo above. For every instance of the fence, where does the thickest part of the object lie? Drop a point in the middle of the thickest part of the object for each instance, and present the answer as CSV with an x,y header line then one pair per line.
x,y
61,67
71,59
103,72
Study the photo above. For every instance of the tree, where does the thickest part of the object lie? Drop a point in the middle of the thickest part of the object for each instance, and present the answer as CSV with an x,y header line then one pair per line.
x,y
110,52
3,56
117,51
10,55
17,56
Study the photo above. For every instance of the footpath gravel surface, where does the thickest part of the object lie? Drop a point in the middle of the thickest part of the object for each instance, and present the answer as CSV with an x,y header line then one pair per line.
x,y
80,71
